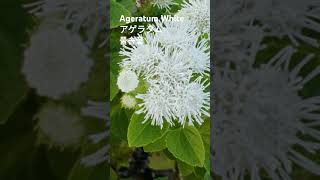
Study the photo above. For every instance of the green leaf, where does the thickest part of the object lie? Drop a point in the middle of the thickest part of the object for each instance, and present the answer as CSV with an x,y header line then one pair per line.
x,y
159,161
199,172
204,130
156,146
207,161
116,11
186,145
13,88
113,175
113,85
119,122
96,84
114,71
129,5
184,168
207,176
141,134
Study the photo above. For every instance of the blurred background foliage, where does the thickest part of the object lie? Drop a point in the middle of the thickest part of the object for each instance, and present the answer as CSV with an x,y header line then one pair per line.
x,y
22,157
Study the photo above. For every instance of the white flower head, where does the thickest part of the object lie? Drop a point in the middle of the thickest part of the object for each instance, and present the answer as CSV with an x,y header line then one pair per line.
x,y
163,4
127,81
197,12
176,34
142,57
88,14
198,57
191,102
173,67
259,116
50,60
58,126
128,101
157,104
282,18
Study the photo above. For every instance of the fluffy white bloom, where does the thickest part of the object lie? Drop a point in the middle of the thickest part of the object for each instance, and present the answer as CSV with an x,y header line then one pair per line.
x,y
171,94
184,102
198,57
128,101
50,60
198,12
88,14
157,104
174,67
127,81
191,102
163,4
259,116
58,126
169,61
98,110
141,57
176,34
283,18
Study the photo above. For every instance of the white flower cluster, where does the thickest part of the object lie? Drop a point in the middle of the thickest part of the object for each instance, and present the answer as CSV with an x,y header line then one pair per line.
x,y
261,116
174,66
283,18
241,25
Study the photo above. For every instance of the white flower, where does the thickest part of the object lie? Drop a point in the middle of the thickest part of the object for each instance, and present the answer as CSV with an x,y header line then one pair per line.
x,y
157,104
128,101
98,110
259,116
174,67
141,57
88,14
176,34
283,18
198,57
163,4
191,102
58,126
198,12
170,101
127,81
50,61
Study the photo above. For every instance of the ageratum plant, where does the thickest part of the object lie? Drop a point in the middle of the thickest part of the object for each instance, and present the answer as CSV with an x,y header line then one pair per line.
x,y
163,88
